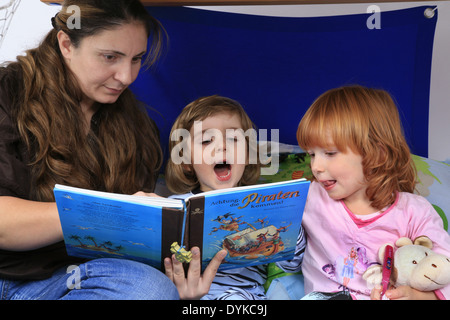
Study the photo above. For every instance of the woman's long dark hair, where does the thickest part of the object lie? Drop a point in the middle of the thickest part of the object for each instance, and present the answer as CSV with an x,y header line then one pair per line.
x,y
124,155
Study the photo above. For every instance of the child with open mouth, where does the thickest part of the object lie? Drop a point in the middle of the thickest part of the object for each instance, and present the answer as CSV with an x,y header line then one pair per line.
x,y
211,149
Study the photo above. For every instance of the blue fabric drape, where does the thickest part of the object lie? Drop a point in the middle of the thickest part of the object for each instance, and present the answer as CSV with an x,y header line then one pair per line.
x,y
277,66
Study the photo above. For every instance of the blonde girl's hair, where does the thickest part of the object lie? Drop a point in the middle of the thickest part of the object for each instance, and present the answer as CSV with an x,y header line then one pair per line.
x,y
366,121
181,178
124,156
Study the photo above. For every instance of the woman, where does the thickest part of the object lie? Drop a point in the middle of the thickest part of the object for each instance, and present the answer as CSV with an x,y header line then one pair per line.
x,y
67,116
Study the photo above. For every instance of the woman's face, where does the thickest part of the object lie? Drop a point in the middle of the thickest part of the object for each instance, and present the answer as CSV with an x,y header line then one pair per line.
x,y
105,64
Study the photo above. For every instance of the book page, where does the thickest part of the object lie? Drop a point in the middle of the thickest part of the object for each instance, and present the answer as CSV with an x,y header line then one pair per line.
x,y
95,225
258,225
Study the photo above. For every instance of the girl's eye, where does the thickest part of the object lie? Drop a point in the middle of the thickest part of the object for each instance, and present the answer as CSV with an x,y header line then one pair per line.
x,y
331,153
233,139
207,141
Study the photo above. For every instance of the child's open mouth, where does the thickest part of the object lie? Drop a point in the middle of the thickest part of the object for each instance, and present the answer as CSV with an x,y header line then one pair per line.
x,y
222,171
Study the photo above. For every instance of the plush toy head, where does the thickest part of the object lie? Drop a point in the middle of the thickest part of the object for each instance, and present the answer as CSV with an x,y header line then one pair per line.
x,y
417,266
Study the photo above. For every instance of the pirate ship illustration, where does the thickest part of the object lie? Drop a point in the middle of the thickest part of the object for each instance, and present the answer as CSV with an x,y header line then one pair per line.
x,y
251,242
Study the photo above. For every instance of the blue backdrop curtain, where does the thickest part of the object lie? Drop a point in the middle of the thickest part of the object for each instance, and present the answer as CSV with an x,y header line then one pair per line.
x,y
277,66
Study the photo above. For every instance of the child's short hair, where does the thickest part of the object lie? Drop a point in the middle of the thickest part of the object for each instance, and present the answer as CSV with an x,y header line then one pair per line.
x,y
181,178
366,121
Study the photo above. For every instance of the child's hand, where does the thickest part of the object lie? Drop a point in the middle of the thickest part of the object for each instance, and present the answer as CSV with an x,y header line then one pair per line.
x,y
376,293
403,293
195,285
408,293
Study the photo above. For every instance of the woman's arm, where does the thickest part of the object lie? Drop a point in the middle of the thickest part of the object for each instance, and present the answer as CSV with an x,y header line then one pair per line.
x,y
28,225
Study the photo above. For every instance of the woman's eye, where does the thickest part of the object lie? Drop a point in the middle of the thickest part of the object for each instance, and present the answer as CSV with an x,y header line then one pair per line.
x,y
137,60
109,58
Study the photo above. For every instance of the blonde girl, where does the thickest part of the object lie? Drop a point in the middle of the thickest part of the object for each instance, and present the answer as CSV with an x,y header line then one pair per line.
x,y
183,178
226,171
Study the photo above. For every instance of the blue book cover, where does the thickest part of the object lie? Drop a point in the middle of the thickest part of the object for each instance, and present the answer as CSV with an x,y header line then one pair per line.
x,y
100,224
255,224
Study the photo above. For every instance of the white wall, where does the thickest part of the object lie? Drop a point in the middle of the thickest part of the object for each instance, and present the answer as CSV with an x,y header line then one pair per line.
x,y
32,21
29,24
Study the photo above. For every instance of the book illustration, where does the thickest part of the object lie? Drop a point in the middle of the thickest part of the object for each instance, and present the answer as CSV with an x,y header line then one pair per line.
x,y
96,227
254,227
227,225
252,242
91,244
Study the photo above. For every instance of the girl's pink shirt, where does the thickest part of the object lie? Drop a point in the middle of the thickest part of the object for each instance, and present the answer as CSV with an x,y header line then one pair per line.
x,y
342,245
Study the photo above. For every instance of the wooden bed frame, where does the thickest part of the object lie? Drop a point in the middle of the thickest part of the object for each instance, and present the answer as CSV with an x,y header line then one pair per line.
x,y
243,2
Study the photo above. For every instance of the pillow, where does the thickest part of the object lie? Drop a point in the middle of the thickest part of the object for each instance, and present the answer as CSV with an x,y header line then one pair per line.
x,y
434,184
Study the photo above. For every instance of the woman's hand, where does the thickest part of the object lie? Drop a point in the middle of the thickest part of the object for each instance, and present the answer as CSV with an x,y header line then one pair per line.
x,y
146,194
195,285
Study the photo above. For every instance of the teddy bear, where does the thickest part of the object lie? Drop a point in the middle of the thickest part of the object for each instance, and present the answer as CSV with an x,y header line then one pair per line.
x,y
414,265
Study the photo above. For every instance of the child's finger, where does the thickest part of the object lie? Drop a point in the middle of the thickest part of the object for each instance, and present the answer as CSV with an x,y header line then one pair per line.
x,y
168,268
178,272
399,293
195,268
376,293
213,266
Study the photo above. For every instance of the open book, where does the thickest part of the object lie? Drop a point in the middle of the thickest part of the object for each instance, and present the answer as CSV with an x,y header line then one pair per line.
x,y
255,224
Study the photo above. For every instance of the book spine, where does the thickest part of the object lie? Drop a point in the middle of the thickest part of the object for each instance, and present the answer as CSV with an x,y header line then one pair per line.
x,y
196,211
172,227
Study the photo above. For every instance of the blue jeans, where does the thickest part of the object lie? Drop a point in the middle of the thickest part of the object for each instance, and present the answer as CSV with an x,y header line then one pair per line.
x,y
100,279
